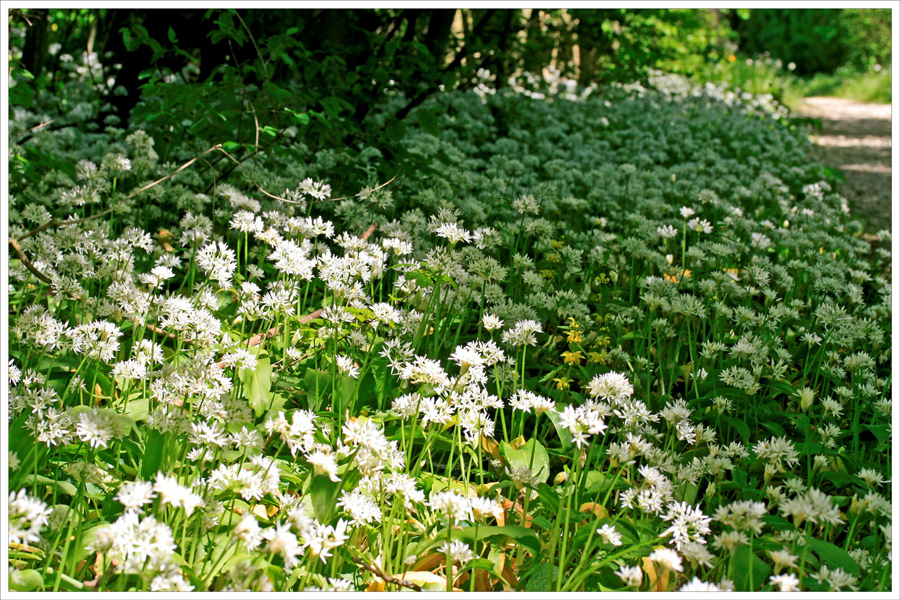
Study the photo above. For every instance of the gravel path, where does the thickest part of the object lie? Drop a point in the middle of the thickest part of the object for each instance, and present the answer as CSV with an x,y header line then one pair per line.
x,y
856,138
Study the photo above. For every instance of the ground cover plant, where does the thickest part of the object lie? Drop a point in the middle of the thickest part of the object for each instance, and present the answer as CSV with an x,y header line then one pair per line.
x,y
628,340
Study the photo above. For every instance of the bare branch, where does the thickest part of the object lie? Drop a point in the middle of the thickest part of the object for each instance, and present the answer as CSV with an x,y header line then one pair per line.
x,y
387,578
28,264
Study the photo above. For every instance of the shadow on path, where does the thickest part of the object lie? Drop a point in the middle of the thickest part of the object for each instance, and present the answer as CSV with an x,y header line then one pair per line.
x,y
856,138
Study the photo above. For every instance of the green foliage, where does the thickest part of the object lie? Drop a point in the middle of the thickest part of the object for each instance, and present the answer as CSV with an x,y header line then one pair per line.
x,y
819,40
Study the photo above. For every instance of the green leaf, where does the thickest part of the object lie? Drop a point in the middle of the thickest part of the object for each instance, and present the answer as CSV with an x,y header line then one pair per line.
x,y
63,486
256,386
28,580
565,436
530,456
302,117
172,37
527,538
427,120
153,449
549,498
743,559
740,426
833,556
881,432
395,130
21,95
449,80
540,578
231,146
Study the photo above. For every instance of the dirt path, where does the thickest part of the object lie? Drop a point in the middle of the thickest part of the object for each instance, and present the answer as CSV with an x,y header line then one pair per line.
x,y
856,138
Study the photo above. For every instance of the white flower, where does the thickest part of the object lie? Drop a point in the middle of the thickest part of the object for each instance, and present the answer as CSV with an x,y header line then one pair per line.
x,y
457,551
610,535
631,576
346,367
134,495
248,531
612,387
786,582
686,212
688,524
696,585
491,322
666,231
27,517
362,509
667,559
218,261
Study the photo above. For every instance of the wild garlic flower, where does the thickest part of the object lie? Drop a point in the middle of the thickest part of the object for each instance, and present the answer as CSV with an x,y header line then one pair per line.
x,y
696,585
611,387
248,532
27,518
98,340
526,204
218,261
362,509
581,422
173,493
346,366
777,451
631,576
786,582
134,495
457,552
452,505
783,559
609,535
836,579
96,427
667,558
814,505
689,524
666,231
744,515
523,333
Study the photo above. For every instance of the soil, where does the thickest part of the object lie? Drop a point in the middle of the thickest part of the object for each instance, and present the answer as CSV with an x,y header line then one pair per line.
x,y
856,138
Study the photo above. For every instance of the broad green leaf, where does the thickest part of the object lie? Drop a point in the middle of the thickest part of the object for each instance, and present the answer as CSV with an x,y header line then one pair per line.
x,y
833,556
747,564
256,386
63,486
565,436
324,495
427,120
27,580
531,456
527,538
152,459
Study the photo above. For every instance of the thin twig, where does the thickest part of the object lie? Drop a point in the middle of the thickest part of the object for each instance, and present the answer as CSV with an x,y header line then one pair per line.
x,y
255,47
35,128
28,264
14,242
387,578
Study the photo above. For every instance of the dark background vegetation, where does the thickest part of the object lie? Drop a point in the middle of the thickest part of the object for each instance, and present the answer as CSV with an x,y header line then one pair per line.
x,y
243,76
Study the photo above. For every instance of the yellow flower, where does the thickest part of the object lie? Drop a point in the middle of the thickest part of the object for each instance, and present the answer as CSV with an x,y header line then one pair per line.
x,y
562,383
732,58
554,258
597,357
574,336
572,358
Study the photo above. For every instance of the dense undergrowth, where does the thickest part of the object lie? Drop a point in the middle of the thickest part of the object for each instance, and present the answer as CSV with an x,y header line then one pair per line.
x,y
623,341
